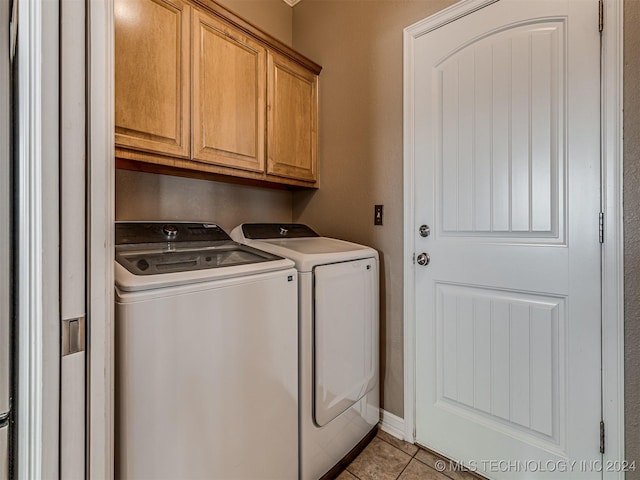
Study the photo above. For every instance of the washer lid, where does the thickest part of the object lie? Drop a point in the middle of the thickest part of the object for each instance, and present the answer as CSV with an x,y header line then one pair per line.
x,y
154,259
310,252
303,246
161,254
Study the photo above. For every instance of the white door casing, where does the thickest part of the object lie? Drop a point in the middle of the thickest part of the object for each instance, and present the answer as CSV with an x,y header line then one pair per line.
x,y
506,150
101,208
37,217
5,236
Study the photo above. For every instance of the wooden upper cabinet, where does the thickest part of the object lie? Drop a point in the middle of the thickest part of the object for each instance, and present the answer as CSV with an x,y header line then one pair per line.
x,y
292,120
201,92
229,89
152,84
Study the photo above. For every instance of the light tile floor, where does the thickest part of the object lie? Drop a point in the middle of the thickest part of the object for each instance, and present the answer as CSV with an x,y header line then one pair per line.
x,y
387,458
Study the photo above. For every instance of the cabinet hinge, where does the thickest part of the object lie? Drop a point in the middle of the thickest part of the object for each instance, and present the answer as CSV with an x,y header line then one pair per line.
x,y
601,436
413,258
600,15
601,227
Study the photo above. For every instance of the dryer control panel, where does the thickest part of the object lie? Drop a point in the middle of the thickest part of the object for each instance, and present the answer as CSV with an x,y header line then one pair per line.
x,y
263,231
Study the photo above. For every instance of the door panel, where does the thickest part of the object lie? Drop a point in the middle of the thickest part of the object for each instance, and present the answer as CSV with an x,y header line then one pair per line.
x,y
508,310
229,88
500,154
501,356
72,237
293,120
152,75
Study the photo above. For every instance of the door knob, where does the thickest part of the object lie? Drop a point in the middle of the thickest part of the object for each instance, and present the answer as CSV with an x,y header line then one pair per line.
x,y
424,230
423,259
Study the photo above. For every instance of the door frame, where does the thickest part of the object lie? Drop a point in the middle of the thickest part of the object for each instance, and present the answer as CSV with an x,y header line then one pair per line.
x,y
612,251
100,228
37,215
6,267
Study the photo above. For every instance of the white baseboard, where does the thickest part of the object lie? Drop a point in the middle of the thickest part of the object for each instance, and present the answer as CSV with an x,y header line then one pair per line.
x,y
392,424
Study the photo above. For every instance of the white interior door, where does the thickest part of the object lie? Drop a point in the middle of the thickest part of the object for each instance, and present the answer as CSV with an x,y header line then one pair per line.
x,y
72,240
506,147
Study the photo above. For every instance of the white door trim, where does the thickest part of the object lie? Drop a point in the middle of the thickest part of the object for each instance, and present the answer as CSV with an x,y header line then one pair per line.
x,y
101,197
612,253
38,234
613,274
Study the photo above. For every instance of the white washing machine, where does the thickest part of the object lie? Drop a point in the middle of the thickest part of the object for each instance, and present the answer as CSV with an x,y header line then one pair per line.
x,y
206,356
339,329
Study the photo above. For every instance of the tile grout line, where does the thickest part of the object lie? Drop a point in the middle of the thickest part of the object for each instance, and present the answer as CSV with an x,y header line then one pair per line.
x,y
442,475
352,474
411,456
418,448
406,453
405,467
394,447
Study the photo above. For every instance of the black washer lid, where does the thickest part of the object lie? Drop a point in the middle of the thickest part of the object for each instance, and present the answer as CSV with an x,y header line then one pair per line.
x,y
262,231
128,233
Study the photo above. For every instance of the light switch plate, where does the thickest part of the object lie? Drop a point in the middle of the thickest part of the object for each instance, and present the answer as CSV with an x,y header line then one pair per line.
x,y
377,214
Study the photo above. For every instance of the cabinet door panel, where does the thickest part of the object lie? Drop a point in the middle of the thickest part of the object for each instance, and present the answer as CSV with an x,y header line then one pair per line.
x,y
152,75
293,120
229,72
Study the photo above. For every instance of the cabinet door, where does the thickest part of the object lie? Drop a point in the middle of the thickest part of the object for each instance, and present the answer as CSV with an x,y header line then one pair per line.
x,y
229,77
152,75
293,120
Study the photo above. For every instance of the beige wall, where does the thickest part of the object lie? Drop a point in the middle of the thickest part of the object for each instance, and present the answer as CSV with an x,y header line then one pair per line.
x,y
359,45
145,196
632,231
273,16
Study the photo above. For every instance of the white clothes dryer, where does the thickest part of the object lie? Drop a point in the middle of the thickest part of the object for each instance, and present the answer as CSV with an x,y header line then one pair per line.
x,y
206,356
339,331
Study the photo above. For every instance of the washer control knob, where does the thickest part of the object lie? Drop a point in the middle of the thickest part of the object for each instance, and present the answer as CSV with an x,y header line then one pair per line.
x,y
171,231
142,264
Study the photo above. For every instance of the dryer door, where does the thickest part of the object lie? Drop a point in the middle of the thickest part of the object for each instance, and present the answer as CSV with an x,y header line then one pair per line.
x,y
345,334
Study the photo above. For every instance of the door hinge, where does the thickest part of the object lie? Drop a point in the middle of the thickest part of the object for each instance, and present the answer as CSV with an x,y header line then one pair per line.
x,y
601,227
600,15
601,436
13,31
